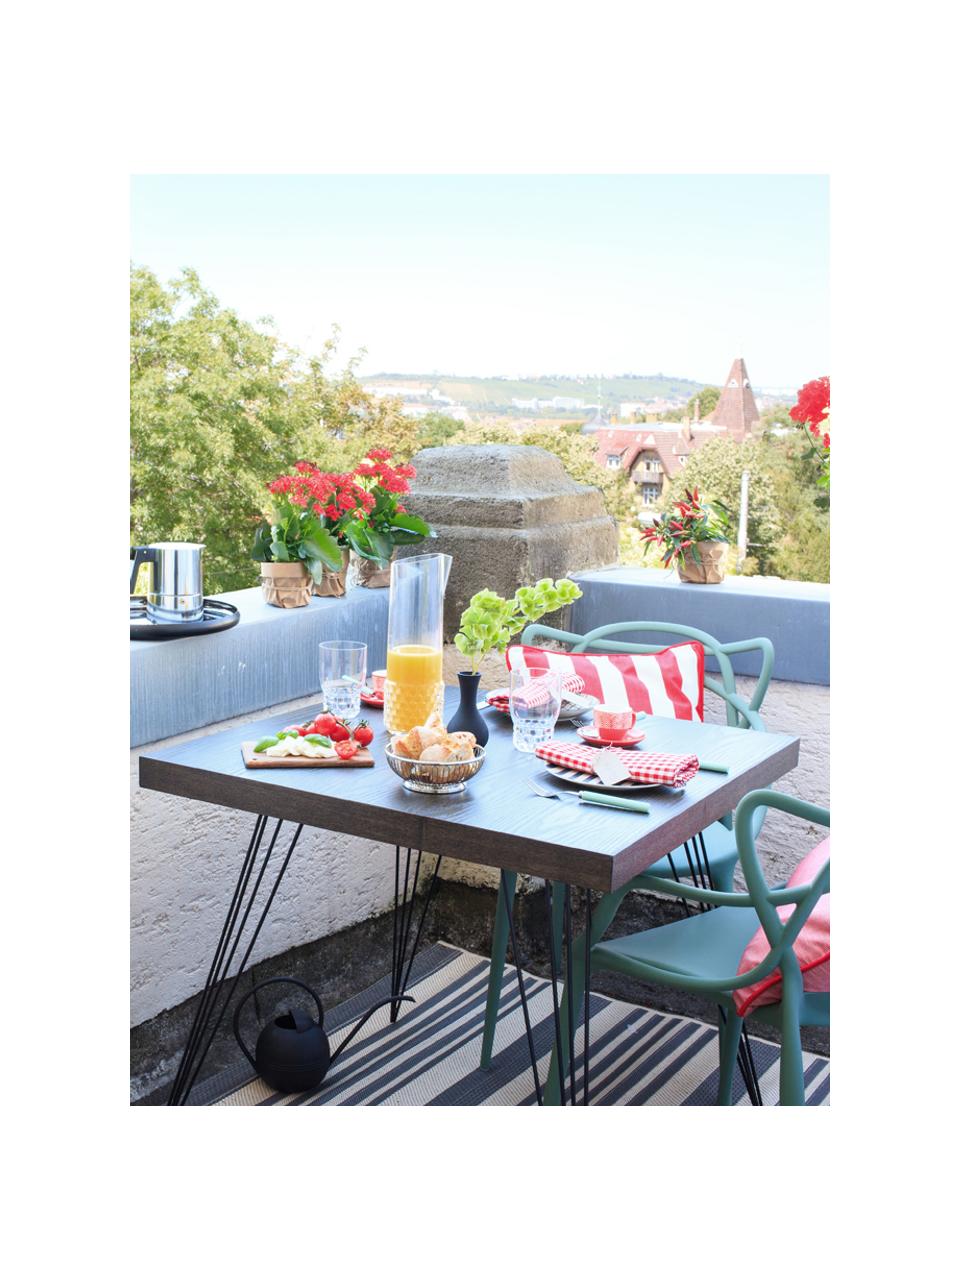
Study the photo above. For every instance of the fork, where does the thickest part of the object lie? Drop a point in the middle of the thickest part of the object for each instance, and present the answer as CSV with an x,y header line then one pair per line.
x,y
589,797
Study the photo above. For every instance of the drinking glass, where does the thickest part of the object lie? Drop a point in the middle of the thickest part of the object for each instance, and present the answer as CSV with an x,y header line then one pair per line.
x,y
534,706
343,669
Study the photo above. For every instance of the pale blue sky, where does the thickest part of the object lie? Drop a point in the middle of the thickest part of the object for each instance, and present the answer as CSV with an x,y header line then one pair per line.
x,y
513,275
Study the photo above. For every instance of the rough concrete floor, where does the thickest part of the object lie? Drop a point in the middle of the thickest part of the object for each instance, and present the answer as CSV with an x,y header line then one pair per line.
x,y
339,966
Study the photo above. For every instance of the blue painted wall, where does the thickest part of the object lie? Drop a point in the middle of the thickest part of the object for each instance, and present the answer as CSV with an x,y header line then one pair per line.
x,y
270,656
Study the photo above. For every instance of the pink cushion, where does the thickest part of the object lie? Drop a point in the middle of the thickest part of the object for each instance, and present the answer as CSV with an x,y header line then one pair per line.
x,y
812,946
668,683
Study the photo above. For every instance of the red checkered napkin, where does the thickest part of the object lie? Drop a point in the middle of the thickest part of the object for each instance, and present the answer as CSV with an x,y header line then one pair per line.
x,y
535,692
643,766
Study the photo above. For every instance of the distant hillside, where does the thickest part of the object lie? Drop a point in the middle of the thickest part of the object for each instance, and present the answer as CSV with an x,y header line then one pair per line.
x,y
493,394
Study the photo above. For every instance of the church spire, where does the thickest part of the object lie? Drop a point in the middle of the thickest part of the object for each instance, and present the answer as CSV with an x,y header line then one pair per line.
x,y
736,409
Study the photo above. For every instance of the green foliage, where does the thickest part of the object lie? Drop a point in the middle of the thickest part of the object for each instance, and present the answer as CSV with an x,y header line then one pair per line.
x,y
803,552
489,622
296,534
435,429
218,407
708,398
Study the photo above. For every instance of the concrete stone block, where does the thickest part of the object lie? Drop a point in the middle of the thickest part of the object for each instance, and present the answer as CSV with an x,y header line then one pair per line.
x,y
508,514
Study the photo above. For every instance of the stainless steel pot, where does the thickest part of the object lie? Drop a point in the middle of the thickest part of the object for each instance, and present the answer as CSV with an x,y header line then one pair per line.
x,y
176,593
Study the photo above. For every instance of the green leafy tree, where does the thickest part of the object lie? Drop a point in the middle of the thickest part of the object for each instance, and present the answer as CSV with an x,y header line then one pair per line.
x,y
803,552
218,408
708,398
435,429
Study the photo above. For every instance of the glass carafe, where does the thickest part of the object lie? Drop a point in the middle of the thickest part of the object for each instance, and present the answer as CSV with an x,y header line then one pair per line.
x,y
414,685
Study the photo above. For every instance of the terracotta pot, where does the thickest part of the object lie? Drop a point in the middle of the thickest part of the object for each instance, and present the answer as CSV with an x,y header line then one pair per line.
x,y
711,566
334,582
370,574
288,586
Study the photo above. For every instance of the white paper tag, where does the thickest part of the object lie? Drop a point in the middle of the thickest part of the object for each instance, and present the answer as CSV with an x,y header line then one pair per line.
x,y
609,768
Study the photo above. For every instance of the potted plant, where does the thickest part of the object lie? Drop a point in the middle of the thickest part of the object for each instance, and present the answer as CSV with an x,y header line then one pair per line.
x,y
317,517
693,538
388,517
487,625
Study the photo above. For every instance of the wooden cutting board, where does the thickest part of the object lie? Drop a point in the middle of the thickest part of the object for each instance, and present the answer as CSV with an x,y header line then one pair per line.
x,y
362,760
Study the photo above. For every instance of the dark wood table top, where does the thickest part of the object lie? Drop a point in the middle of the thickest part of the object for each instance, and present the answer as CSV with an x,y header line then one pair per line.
x,y
497,821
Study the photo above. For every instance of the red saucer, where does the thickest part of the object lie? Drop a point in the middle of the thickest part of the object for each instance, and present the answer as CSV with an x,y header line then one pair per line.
x,y
371,699
630,739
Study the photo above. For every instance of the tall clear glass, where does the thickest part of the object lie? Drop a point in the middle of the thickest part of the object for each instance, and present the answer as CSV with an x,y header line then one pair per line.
x,y
343,669
535,698
414,685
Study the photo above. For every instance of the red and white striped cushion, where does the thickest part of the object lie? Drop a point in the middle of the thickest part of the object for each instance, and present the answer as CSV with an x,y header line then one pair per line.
x,y
667,683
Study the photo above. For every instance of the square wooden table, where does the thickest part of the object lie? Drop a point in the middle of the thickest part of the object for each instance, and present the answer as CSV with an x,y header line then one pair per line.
x,y
497,821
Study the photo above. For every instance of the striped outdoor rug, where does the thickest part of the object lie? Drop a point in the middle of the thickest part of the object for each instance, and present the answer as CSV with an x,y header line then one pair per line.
x,y
430,1057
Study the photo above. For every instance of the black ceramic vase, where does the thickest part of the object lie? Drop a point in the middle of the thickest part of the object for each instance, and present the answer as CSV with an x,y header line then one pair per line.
x,y
467,719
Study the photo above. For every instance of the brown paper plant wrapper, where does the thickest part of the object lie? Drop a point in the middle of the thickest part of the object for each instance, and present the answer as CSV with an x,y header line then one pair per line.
x,y
370,574
712,563
333,582
286,585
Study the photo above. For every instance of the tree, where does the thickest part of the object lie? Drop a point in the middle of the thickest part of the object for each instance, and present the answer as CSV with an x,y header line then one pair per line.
x,y
436,429
803,553
708,398
218,408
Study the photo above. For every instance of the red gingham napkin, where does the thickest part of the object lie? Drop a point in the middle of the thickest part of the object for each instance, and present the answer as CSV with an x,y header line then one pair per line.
x,y
535,692
644,766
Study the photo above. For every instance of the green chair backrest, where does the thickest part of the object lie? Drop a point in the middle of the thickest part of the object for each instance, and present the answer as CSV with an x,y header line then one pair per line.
x,y
740,713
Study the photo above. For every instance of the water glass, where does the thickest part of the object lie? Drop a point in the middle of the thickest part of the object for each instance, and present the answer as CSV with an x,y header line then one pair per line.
x,y
534,706
343,670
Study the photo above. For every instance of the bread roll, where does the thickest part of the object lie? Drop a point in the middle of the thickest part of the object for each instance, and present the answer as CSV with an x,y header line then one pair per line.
x,y
439,753
462,739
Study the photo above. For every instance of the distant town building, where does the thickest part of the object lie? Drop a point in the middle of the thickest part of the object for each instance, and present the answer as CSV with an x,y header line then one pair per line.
x,y
736,411
559,403
652,452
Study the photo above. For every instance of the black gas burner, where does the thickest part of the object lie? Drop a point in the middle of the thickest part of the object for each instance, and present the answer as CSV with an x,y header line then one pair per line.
x,y
217,616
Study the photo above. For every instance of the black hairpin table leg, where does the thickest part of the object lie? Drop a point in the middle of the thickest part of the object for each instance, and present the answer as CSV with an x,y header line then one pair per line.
x,y
560,913
403,912
219,987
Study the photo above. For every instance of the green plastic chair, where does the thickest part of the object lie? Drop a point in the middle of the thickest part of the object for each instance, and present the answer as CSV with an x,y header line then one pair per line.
x,y
718,839
701,953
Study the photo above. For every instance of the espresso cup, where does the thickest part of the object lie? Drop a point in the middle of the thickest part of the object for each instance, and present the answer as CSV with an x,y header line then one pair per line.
x,y
613,724
378,680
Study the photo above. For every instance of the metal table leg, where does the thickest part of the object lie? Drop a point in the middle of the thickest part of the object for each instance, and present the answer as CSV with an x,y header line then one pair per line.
x,y
219,989
566,1056
220,985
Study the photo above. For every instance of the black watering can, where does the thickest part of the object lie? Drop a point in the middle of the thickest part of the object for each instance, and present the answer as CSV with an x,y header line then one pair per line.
x,y
293,1052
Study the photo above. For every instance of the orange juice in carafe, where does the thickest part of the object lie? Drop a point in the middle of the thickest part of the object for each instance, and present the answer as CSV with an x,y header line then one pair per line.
x,y
414,684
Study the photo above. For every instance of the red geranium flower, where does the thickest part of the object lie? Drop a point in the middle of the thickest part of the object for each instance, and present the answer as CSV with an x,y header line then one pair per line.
x,y
813,404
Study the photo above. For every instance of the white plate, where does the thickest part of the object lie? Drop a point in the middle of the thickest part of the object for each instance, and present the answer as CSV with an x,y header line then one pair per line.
x,y
591,782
